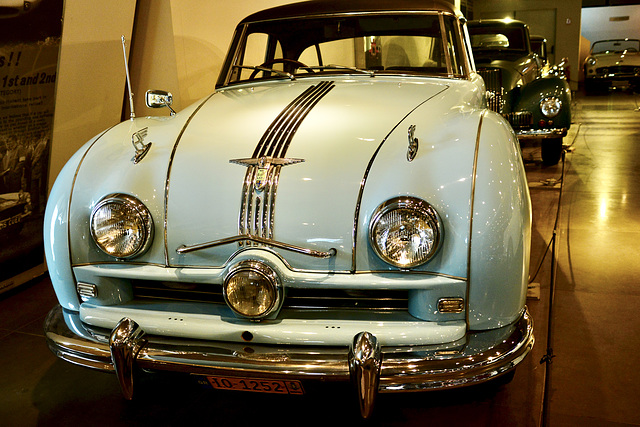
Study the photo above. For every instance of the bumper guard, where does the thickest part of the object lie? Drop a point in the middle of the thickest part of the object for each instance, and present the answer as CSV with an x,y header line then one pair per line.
x,y
526,135
371,369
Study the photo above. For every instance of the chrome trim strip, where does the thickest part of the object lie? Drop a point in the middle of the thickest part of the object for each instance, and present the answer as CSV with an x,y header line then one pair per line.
x,y
239,48
541,134
273,189
283,144
485,355
256,239
277,124
235,254
471,205
445,44
341,14
257,208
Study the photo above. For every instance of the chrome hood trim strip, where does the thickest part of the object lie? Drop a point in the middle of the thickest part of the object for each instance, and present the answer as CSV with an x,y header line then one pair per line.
x,y
257,209
245,238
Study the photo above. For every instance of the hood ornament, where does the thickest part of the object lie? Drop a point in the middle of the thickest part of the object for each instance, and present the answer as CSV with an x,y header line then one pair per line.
x,y
412,151
263,165
137,139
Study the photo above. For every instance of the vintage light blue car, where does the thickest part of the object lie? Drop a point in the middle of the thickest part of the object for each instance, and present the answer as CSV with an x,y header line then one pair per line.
x,y
343,208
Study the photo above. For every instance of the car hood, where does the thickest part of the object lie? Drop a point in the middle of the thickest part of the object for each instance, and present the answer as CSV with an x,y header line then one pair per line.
x,y
314,140
612,59
329,153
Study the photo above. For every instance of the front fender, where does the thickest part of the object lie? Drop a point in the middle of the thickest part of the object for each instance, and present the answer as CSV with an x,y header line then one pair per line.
x,y
530,96
56,231
500,228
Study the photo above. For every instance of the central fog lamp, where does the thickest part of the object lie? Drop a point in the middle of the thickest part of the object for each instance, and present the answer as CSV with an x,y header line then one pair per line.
x,y
252,290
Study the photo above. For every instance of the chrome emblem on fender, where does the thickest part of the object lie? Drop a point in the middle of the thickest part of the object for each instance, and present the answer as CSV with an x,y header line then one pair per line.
x,y
137,139
412,152
262,166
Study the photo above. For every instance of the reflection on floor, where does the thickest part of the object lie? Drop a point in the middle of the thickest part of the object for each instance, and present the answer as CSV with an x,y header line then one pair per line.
x,y
594,381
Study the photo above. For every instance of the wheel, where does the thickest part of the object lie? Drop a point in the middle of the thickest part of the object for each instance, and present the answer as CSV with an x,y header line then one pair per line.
x,y
551,151
266,64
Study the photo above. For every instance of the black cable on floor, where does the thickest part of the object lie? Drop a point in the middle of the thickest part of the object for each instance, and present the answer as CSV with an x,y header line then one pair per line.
x,y
547,359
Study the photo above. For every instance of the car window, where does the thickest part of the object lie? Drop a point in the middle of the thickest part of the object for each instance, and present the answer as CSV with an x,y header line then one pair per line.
x,y
254,54
616,46
404,44
380,53
498,38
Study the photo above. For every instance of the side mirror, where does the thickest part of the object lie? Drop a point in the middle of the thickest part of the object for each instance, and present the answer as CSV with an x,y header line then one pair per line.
x,y
159,99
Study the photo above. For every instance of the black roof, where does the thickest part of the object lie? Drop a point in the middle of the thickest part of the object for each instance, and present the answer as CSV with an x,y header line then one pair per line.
x,y
330,7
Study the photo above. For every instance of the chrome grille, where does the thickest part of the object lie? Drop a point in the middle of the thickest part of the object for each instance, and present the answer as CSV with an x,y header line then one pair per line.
x,y
298,299
628,70
495,92
520,120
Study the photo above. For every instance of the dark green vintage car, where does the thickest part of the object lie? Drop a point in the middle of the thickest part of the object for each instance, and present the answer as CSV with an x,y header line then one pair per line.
x,y
537,104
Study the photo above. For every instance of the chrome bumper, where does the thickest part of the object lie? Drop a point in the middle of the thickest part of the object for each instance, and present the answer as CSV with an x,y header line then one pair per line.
x,y
524,135
372,369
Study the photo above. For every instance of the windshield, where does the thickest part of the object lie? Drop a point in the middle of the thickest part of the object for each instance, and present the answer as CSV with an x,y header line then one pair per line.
x,y
615,46
406,44
498,38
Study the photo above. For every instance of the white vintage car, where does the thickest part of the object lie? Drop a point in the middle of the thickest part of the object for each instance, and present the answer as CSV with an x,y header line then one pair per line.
x,y
343,208
612,64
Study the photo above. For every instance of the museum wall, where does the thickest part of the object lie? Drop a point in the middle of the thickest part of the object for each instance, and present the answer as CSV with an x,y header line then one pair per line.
x,y
179,46
600,23
91,76
567,24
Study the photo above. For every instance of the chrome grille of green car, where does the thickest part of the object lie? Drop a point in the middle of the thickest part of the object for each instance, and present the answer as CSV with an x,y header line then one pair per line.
x,y
296,298
520,120
493,83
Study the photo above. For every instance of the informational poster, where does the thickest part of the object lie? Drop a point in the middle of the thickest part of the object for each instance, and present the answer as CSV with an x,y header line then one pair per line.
x,y
30,33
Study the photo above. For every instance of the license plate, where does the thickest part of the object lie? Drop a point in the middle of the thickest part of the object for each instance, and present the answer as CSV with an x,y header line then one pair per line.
x,y
256,385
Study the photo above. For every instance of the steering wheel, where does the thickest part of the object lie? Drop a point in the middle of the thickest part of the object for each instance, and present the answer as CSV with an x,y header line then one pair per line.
x,y
267,64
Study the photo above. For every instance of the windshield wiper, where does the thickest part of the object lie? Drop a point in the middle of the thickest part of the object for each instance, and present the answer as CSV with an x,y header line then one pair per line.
x,y
371,73
269,70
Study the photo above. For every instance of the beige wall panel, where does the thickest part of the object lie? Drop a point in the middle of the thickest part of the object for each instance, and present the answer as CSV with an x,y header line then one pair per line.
x,y
153,58
179,46
91,77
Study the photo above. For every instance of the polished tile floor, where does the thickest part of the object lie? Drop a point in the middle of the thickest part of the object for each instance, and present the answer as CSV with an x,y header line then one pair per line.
x,y
593,380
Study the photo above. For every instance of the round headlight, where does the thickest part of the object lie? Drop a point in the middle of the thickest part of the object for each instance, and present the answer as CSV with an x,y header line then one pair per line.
x,y
591,61
405,232
121,226
252,289
550,106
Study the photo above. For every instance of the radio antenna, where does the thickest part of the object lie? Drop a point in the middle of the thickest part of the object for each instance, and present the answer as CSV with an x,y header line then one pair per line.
x,y
126,69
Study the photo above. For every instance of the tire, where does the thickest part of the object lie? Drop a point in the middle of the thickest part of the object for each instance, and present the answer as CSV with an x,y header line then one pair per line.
x,y
551,151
